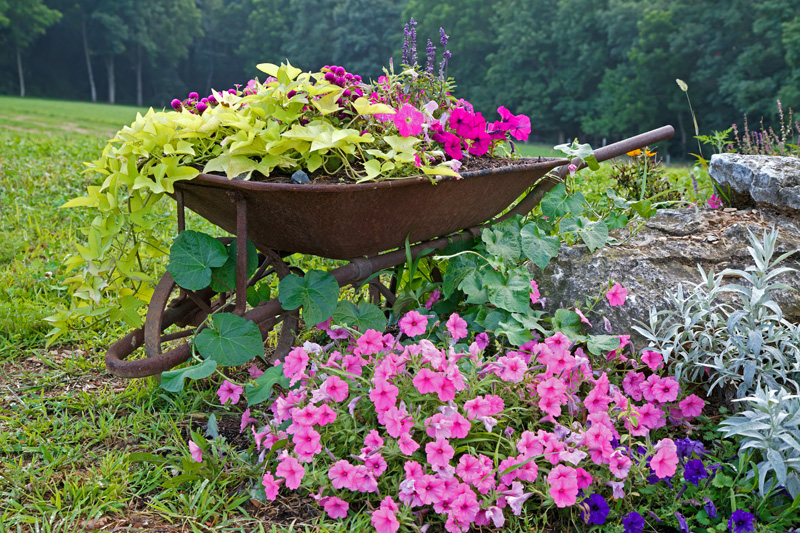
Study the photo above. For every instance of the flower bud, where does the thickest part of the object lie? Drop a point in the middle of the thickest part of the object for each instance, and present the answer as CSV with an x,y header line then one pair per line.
x,y
176,104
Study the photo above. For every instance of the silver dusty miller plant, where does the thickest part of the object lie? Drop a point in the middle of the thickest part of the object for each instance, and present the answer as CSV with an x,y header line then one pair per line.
x,y
771,427
740,346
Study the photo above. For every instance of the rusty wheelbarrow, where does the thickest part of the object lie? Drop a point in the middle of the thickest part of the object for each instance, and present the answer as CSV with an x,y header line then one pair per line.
x,y
361,223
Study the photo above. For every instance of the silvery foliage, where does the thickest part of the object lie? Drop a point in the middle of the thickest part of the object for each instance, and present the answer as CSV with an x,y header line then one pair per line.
x,y
770,426
745,344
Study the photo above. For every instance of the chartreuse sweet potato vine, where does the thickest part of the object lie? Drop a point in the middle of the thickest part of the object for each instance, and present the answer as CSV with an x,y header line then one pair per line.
x,y
326,122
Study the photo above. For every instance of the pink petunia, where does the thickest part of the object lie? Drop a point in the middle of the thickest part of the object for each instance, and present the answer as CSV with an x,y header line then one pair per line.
x,y
383,395
632,385
409,120
413,324
584,478
477,407
385,521
195,452
291,469
480,143
229,391
295,362
513,370
325,415
652,359
465,507
558,342
407,444
518,125
691,406
619,464
397,421
307,441
339,473
335,507
457,327
371,342
271,486
432,299
373,440
664,462
616,295
335,388
376,464
666,390
246,420
255,372
564,492
439,452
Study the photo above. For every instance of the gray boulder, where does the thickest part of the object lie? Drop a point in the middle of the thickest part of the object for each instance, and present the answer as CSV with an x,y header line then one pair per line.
x,y
665,251
758,179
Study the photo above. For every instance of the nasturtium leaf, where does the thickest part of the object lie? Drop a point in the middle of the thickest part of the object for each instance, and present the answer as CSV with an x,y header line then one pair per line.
x,y
257,294
231,341
262,390
223,278
191,258
317,292
569,323
365,316
602,344
172,380
509,293
539,249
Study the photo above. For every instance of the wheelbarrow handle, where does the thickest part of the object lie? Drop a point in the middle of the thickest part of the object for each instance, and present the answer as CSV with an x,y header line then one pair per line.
x,y
624,146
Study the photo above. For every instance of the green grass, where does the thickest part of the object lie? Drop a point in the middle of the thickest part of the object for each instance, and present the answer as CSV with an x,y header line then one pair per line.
x,y
66,426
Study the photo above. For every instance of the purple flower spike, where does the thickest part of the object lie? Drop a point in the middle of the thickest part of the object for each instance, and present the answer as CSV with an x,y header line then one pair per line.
x,y
431,57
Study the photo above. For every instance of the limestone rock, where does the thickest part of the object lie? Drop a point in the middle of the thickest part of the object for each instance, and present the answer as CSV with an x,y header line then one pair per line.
x,y
758,179
664,252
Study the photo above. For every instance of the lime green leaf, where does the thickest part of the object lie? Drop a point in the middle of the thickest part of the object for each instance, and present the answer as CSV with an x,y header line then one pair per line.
x,y
364,107
262,390
540,250
172,380
365,316
268,68
231,341
402,144
440,170
223,278
192,256
317,292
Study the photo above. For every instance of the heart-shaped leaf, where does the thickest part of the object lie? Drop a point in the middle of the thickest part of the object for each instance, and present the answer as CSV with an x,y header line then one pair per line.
x,y
602,344
509,293
231,341
172,380
569,323
317,292
257,294
539,249
192,256
365,316
223,278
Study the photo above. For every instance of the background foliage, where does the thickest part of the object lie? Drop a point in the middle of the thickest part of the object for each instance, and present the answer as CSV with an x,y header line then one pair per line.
x,y
586,68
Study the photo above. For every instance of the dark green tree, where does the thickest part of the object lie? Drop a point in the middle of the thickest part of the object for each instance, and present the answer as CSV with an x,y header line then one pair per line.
x,y
26,20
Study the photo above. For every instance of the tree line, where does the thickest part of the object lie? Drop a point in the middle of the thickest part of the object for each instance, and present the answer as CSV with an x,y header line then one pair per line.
x,y
591,69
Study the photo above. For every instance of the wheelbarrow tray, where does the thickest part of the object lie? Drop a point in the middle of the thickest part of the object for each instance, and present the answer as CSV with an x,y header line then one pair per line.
x,y
345,221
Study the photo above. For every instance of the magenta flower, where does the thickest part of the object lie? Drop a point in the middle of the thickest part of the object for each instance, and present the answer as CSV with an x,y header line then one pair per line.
x,y
666,390
514,368
271,486
409,121
665,461
385,521
246,420
291,469
383,395
691,406
407,444
371,342
427,381
434,297
229,391
439,452
616,295
335,507
714,202
196,452
457,327
255,372
481,141
518,125
295,362
465,507
339,473
335,388
413,324
652,359
307,441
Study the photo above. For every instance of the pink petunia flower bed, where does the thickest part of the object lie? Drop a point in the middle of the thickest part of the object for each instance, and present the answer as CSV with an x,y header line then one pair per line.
x,y
412,430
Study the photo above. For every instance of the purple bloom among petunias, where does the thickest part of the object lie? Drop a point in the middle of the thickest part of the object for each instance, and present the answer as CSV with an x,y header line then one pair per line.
x,y
711,509
597,508
741,522
633,523
409,121
682,523
694,471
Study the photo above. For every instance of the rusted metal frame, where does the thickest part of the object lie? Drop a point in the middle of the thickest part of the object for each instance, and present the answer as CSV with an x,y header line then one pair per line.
x,y
378,289
241,251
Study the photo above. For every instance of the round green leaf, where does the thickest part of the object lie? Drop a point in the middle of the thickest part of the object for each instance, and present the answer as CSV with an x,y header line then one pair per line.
x,y
262,390
317,292
231,341
191,258
538,249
